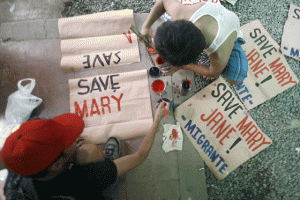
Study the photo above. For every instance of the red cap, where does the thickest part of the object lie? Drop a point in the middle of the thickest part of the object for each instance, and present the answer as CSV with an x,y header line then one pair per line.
x,y
37,143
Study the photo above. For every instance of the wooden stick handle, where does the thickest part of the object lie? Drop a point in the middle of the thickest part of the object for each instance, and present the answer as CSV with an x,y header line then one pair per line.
x,y
145,39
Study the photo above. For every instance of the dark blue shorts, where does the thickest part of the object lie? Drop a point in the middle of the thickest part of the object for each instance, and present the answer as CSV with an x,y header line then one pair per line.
x,y
237,66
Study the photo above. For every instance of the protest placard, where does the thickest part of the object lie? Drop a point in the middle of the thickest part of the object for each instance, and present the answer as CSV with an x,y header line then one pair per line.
x,y
268,72
290,43
98,40
217,125
112,105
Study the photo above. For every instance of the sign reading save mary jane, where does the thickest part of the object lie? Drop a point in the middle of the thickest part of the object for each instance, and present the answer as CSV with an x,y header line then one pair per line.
x,y
269,74
217,125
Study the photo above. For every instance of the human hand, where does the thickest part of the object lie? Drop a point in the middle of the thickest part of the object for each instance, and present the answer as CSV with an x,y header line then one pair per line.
x,y
169,70
146,33
160,112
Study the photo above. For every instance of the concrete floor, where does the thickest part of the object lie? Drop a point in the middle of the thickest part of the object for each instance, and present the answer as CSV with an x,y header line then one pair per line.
x,y
30,47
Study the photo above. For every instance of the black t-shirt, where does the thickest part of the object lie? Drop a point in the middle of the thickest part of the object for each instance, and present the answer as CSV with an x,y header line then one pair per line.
x,y
82,181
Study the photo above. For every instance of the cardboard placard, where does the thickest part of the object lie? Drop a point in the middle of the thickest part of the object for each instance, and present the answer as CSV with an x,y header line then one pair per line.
x,y
216,123
112,105
98,40
268,72
290,44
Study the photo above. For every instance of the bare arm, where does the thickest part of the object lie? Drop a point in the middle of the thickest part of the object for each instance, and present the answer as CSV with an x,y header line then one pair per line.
x,y
173,7
212,71
129,162
88,153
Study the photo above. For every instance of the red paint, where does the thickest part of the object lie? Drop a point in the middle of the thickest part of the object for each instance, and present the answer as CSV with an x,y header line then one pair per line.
x,y
183,80
174,134
159,61
152,51
89,110
158,86
128,37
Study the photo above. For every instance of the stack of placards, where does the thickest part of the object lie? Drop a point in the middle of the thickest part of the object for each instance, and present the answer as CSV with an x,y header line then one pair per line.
x,y
98,40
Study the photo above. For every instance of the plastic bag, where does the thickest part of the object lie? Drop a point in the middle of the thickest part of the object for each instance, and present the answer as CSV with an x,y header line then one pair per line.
x,y
5,130
21,103
172,137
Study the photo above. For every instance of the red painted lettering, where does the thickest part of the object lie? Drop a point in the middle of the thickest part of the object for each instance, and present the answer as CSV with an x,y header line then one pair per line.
x,y
253,57
118,100
80,112
256,66
202,116
263,142
226,135
220,129
105,105
128,37
214,120
248,131
94,103
254,140
261,71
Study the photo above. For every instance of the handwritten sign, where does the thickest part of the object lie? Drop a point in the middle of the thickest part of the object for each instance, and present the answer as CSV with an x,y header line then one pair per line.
x,y
216,124
98,40
112,105
268,72
290,44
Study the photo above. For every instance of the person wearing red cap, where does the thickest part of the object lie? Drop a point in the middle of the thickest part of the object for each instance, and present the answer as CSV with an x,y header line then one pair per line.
x,y
47,159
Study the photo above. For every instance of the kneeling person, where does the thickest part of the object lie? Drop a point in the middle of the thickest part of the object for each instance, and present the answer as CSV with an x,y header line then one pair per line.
x,y
46,159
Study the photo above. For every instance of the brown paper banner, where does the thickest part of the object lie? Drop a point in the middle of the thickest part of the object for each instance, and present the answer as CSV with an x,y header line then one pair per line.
x,y
98,40
112,105
290,44
216,123
268,72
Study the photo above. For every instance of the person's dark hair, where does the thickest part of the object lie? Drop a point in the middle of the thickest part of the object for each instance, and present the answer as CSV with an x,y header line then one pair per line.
x,y
179,42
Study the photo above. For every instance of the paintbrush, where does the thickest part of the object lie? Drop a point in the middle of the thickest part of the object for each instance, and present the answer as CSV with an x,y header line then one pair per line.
x,y
164,106
143,38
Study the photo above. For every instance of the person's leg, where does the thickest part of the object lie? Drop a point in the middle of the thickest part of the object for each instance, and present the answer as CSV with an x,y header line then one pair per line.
x,y
237,67
112,151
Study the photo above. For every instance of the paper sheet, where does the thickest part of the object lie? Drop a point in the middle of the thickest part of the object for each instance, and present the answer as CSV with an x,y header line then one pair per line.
x,y
290,45
218,126
98,40
112,105
268,72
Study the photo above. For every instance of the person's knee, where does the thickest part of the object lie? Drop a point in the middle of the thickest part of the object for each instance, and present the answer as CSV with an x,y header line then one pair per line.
x,y
232,82
89,153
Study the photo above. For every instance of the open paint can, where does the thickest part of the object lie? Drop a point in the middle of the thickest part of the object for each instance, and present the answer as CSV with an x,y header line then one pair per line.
x,y
158,86
159,61
154,72
185,87
167,100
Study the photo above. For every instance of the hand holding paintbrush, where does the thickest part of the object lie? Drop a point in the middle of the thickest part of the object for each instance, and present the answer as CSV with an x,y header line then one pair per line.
x,y
162,108
143,38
